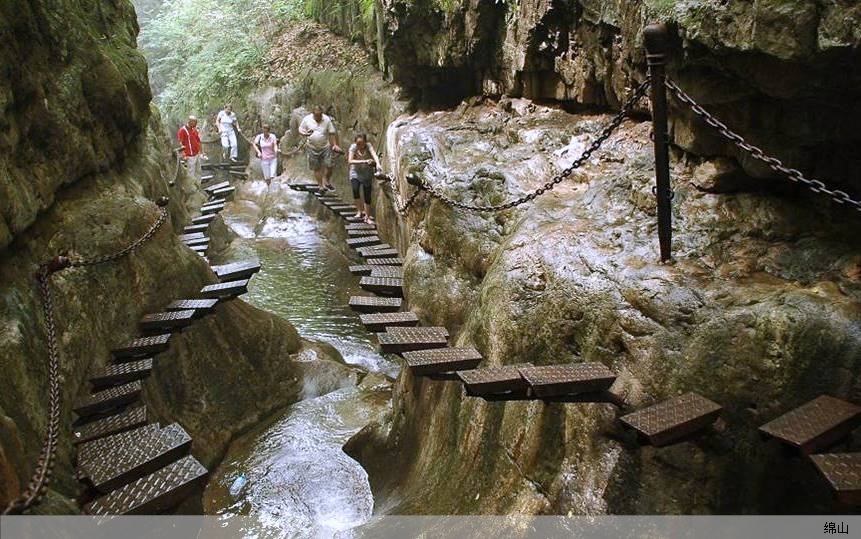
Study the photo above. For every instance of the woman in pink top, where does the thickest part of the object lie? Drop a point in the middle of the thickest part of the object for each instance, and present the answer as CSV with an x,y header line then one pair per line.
x,y
266,145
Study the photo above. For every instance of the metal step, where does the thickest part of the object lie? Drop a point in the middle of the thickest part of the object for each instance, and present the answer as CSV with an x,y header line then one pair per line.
x,y
380,253
214,201
236,270
439,360
207,178
555,380
122,373
370,304
364,241
397,261
360,226
383,285
195,228
494,380
361,233
203,219
843,473
108,399
398,340
225,290
130,418
198,241
129,459
192,236
238,173
301,186
816,425
392,272
226,192
167,321
352,219
211,209
372,248
91,451
380,321
143,346
154,493
216,186
673,420
202,248
201,307
361,270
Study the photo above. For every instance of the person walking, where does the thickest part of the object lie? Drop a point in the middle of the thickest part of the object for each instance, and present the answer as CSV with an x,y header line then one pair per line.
x,y
321,141
364,163
266,146
189,139
228,127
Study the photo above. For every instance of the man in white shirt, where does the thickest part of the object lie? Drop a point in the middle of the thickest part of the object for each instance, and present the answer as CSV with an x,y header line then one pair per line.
x,y
321,141
228,126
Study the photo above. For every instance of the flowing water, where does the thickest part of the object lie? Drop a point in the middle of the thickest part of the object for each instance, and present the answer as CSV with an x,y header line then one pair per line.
x,y
299,481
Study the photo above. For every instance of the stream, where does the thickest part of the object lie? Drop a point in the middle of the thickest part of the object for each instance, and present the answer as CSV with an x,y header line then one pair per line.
x,y
299,481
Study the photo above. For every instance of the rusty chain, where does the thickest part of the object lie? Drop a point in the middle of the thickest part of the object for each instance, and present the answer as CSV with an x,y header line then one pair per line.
x,y
401,206
38,485
608,130
841,197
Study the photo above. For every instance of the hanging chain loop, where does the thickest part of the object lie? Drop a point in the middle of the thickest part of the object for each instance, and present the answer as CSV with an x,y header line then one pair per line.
x,y
608,130
841,197
38,485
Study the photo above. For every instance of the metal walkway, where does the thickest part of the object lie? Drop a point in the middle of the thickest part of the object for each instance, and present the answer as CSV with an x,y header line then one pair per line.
x,y
129,465
813,427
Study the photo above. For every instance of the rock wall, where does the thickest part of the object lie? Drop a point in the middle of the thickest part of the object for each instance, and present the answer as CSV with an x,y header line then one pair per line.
x,y
784,73
83,158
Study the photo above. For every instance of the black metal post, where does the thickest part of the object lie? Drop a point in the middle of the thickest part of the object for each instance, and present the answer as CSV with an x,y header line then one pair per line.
x,y
656,37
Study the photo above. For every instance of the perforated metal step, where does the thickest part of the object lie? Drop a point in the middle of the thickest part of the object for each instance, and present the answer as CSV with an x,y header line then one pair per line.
x,y
353,219
439,360
494,380
216,186
195,228
391,272
302,186
116,464
380,321
360,226
370,304
198,241
167,321
122,373
236,270
214,201
370,248
383,285
200,306
141,347
92,451
161,490
126,419
363,241
192,236
398,340
199,249
816,425
225,290
379,253
843,473
361,233
212,209
361,270
226,192
555,380
673,420
203,219
108,399
396,261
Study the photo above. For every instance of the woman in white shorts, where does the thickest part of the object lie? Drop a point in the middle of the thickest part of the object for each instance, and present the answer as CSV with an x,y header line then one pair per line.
x,y
266,145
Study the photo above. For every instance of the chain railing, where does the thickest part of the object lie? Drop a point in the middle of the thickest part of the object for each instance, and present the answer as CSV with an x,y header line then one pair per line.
x,y
41,478
841,197
605,134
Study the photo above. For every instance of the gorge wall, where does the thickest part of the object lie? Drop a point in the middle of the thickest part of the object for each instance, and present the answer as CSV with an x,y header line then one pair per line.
x,y
759,312
83,157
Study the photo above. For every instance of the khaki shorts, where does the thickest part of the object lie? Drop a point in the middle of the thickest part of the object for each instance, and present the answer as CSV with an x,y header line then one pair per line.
x,y
318,159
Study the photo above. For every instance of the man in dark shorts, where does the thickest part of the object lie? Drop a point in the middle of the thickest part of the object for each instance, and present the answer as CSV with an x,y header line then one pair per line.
x,y
321,141
364,163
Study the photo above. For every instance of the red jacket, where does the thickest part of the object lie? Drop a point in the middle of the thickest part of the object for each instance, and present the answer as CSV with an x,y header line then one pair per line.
x,y
190,140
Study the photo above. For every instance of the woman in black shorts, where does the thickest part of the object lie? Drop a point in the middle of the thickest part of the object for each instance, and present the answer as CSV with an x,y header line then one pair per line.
x,y
363,163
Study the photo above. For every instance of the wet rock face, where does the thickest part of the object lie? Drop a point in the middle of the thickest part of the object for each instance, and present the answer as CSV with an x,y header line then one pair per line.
x,y
759,313
783,73
74,96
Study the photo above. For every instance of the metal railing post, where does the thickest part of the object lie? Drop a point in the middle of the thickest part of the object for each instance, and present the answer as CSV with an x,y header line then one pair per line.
x,y
656,37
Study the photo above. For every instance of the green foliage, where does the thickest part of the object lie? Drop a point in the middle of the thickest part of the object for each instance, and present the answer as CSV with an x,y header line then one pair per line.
x,y
203,52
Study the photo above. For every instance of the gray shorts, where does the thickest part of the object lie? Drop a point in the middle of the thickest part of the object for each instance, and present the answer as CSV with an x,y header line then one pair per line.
x,y
318,159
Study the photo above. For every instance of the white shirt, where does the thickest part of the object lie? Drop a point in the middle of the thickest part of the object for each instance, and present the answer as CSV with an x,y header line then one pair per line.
x,y
320,131
226,120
